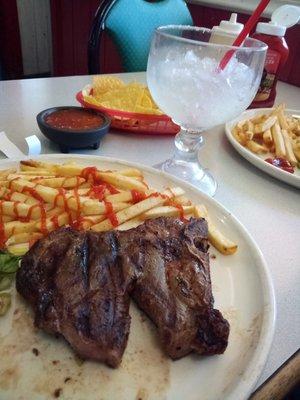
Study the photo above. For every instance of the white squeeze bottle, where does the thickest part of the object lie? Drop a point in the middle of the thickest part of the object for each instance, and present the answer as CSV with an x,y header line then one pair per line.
x,y
227,31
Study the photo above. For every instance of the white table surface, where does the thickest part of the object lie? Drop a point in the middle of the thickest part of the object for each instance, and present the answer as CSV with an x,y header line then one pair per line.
x,y
268,208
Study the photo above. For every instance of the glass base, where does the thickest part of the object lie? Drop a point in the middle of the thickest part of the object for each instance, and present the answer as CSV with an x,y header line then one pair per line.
x,y
191,172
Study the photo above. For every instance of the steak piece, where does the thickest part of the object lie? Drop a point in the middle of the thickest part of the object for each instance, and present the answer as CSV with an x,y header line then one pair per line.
x,y
76,287
170,263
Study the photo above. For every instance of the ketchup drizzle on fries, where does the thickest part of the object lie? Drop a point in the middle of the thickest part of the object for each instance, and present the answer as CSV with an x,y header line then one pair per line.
x,y
44,229
137,196
16,211
54,219
89,173
33,193
97,192
42,197
179,207
110,214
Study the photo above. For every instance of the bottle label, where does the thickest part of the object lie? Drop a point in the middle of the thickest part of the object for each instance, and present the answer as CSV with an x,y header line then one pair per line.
x,y
269,74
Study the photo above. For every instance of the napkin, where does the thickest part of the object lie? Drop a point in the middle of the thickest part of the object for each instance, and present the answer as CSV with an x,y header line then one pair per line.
x,y
12,151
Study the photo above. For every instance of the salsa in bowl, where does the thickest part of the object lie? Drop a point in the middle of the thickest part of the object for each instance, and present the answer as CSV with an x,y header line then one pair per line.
x,y
73,127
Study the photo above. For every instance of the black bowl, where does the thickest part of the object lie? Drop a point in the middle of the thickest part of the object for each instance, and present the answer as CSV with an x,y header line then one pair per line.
x,y
73,139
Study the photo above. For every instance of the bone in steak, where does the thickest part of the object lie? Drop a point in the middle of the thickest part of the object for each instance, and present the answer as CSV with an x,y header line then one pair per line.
x,y
79,284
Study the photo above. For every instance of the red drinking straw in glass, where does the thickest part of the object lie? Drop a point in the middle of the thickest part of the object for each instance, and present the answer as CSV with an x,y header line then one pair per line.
x,y
247,28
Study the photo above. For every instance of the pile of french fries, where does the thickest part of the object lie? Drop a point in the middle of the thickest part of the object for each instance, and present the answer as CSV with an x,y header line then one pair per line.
x,y
38,197
276,133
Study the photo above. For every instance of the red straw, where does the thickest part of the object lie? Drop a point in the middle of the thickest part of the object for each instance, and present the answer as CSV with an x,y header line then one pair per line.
x,y
247,28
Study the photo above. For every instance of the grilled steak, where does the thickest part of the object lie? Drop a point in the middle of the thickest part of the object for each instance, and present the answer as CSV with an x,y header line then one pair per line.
x,y
76,287
173,284
79,284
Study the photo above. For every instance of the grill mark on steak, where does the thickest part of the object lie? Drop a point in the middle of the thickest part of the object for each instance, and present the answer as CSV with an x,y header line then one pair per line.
x,y
79,285
84,257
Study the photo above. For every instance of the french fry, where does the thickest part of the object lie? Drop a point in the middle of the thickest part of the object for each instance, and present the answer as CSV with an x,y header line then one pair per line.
x,y
14,227
92,207
36,172
39,165
278,141
134,172
4,183
3,192
282,119
166,211
182,200
17,209
240,136
267,137
82,191
17,196
267,124
121,181
64,182
249,126
215,237
240,124
116,179
50,224
249,135
18,249
258,119
296,148
55,211
28,177
289,148
6,218
85,185
126,196
23,237
90,220
132,223
138,209
256,148
48,194
69,170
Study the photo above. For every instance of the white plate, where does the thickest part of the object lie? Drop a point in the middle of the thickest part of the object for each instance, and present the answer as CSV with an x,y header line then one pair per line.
x,y
259,160
242,289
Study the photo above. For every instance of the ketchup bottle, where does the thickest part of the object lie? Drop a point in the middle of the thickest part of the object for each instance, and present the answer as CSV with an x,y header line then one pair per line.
x,y
272,33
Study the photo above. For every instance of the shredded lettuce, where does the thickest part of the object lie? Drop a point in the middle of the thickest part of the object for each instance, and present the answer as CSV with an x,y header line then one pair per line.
x,y
9,263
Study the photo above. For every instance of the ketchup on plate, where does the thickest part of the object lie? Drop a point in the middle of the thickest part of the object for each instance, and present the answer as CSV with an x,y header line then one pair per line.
x,y
281,163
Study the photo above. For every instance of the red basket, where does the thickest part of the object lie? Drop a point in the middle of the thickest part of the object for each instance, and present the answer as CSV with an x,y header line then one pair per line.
x,y
135,122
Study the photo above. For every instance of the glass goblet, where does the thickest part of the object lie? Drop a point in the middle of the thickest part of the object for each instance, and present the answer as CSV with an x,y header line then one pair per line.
x,y
185,81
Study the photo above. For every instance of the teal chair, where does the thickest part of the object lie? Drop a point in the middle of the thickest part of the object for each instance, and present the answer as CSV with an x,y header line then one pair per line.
x,y
130,24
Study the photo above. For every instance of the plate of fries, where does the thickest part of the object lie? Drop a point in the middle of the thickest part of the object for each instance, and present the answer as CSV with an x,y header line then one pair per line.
x,y
87,192
130,106
270,139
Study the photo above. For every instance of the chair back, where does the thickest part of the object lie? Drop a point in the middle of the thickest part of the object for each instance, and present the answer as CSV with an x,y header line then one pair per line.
x,y
131,24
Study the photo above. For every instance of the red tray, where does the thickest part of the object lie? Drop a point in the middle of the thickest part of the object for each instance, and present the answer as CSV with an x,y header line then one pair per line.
x,y
135,122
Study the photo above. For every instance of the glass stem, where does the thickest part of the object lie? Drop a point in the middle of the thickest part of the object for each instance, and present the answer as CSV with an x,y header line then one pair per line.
x,y
187,144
